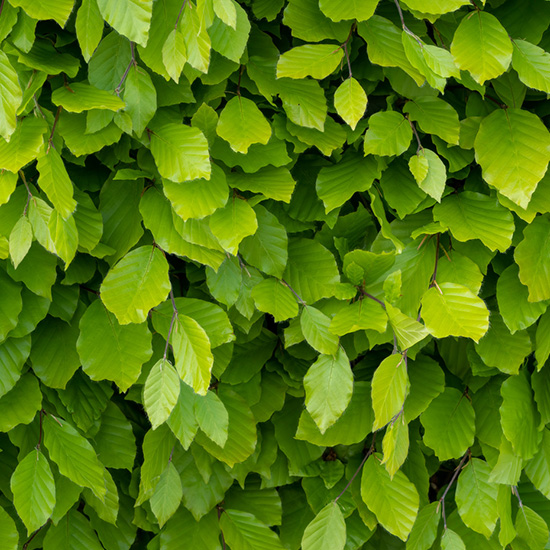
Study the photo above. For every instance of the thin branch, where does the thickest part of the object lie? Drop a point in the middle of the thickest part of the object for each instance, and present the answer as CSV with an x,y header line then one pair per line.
x,y
50,139
1,6
369,452
40,430
26,545
419,148
293,292
132,62
453,479
174,317
434,275
405,28
221,532
29,194
367,295
180,14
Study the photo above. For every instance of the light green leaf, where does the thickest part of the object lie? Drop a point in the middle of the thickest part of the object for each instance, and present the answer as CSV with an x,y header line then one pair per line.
x,y
74,532
304,102
167,496
8,182
24,145
42,9
182,529
231,40
408,332
130,18
272,296
84,97
360,315
472,215
74,455
542,348
519,416
174,54
273,183
13,354
21,403
136,284
532,65
20,240
476,497
513,149
327,531
440,61
161,392
337,183
449,424
394,501
182,421
501,349
532,531
244,531
389,134
197,40
243,124
390,385
348,9
350,101
180,152
89,27
10,305
451,541
212,417
395,445
226,11
192,353
424,530
112,351
533,260
436,7
10,97
231,224
329,385
453,310
419,166
315,60
64,236
436,178
434,116
538,469
140,97
315,327
33,490
481,45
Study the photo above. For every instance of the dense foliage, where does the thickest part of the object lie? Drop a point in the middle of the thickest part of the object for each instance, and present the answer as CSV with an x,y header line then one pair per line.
x,y
242,308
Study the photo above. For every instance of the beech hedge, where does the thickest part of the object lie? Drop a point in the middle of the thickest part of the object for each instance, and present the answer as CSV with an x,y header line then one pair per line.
x,y
274,274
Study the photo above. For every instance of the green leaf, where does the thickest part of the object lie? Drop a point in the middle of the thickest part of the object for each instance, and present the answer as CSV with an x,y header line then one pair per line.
x,y
64,236
304,102
390,385
532,259
197,40
174,54
434,182
226,11
315,60
472,215
13,354
360,315
449,424
336,184
136,284
24,145
481,46
532,65
273,183
451,541
350,101
476,497
74,532
419,166
198,198
130,18
21,403
395,445
167,496
328,385
8,531
182,529
453,310
434,116
394,501
84,97
20,240
192,353
112,351
161,392
89,27
424,530
513,149
272,296
532,531
408,332
315,327
181,153
231,40
233,223
44,10
140,97
519,416
243,124
513,301
212,417
354,9
389,134
10,305
245,531
74,456
33,490
501,349
11,95
538,469
327,531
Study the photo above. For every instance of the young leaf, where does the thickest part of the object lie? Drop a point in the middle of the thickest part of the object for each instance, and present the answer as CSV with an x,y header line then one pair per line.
x,y
174,54
315,60
140,97
212,417
20,240
89,27
327,531
389,134
167,496
350,101
355,9
161,392
130,18
272,296
243,530
315,327
532,65
10,95
424,530
395,445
